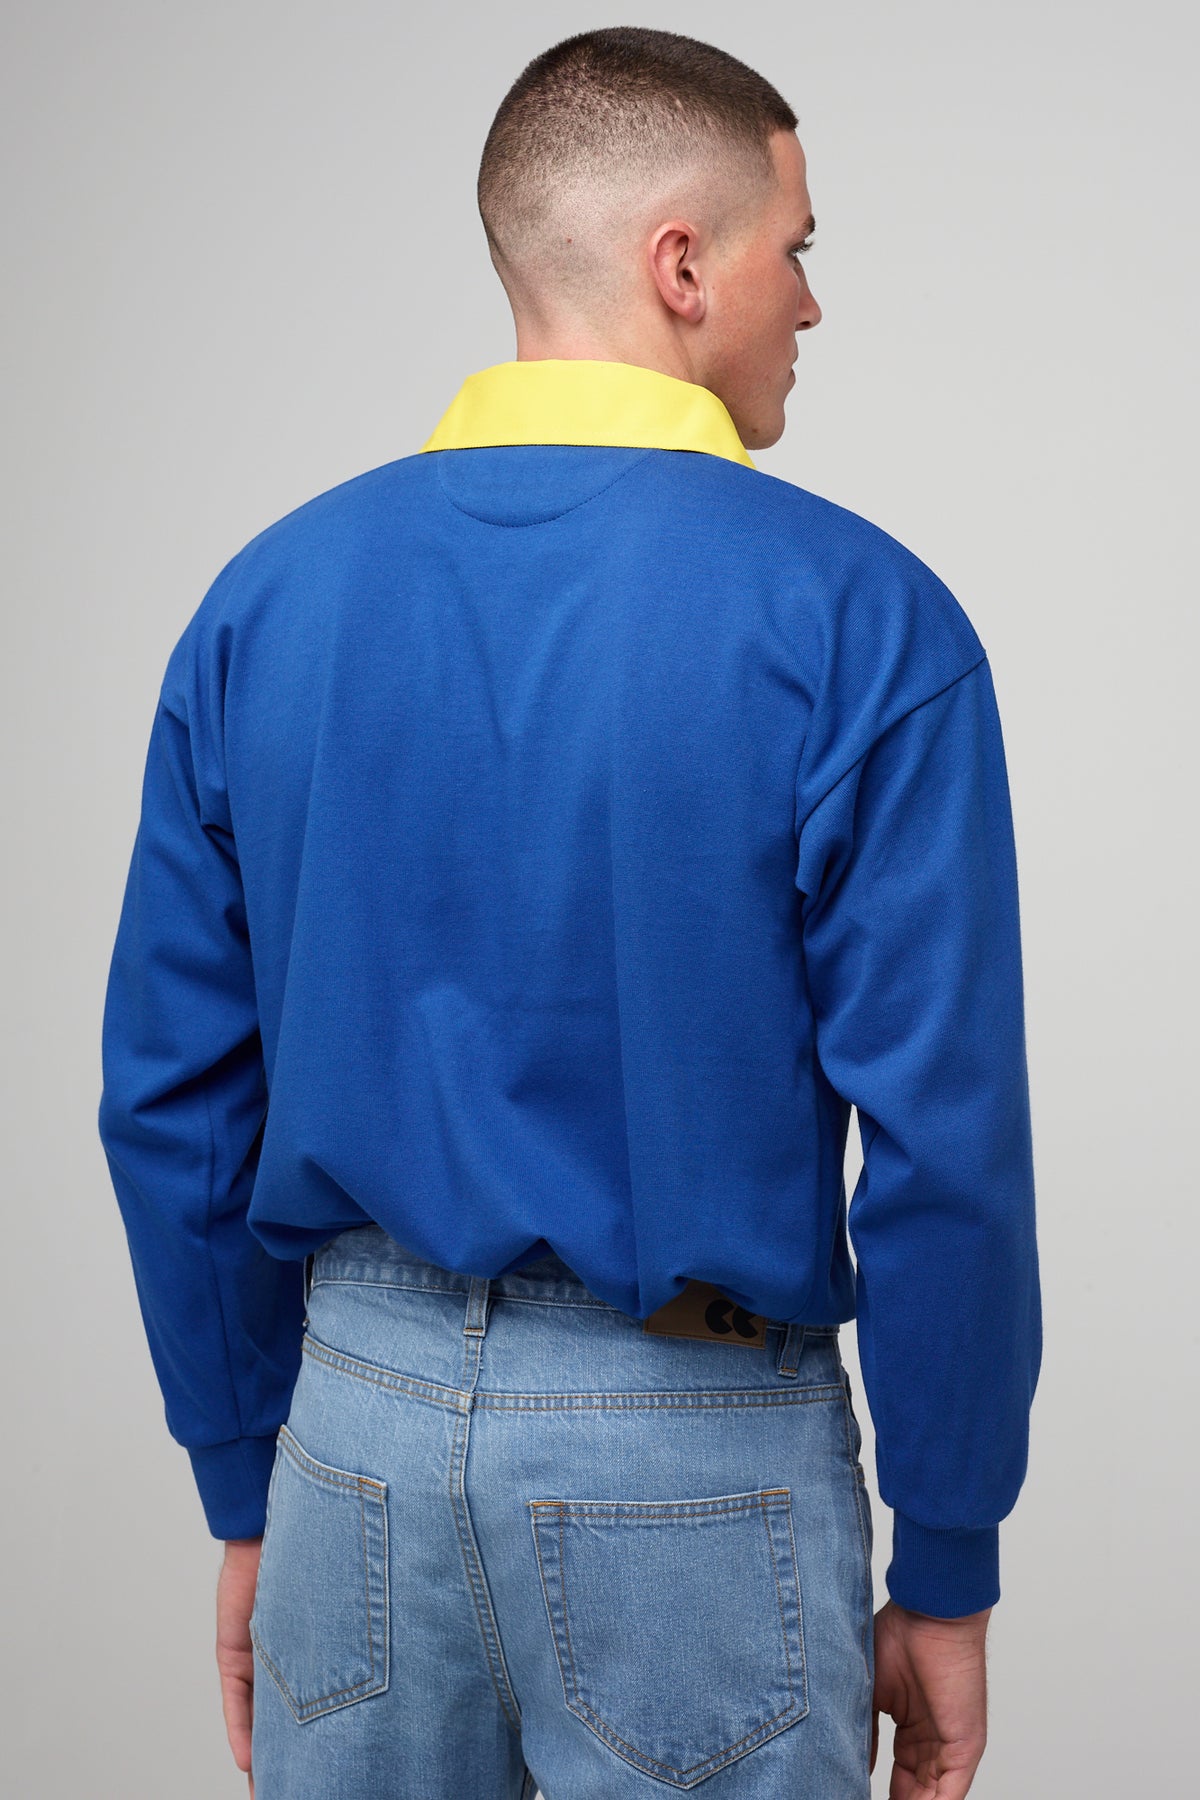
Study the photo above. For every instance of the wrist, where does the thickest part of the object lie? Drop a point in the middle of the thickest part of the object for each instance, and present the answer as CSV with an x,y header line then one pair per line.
x,y
975,1619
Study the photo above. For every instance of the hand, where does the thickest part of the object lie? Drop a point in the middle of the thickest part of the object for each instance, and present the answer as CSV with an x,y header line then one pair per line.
x,y
236,1585
931,1678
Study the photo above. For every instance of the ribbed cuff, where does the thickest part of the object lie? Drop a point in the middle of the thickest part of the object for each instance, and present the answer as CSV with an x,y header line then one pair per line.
x,y
233,1479
947,1573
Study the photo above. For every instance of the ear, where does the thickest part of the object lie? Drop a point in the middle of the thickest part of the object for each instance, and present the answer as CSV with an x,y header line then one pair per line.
x,y
673,252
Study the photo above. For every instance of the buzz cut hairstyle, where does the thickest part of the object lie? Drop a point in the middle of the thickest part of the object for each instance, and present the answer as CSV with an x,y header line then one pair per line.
x,y
625,99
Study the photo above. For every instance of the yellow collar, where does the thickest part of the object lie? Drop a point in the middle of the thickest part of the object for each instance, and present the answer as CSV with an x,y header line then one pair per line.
x,y
575,401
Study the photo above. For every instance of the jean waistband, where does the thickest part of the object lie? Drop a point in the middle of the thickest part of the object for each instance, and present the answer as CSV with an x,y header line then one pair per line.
x,y
368,1253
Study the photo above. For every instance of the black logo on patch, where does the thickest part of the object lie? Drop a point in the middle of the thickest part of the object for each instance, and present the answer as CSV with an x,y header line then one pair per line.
x,y
722,1316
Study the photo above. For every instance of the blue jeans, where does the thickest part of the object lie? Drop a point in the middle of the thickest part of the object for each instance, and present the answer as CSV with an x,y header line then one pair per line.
x,y
517,1543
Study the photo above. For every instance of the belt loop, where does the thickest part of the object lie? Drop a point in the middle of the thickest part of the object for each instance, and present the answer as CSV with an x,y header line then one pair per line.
x,y
309,1260
475,1321
791,1350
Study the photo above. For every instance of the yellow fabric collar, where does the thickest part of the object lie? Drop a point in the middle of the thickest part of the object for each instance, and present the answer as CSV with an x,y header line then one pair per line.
x,y
575,401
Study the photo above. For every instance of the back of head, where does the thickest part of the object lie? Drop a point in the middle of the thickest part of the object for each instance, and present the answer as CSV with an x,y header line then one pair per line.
x,y
601,137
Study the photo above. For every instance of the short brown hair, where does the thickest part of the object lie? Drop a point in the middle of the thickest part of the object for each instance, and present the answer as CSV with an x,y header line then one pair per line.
x,y
619,102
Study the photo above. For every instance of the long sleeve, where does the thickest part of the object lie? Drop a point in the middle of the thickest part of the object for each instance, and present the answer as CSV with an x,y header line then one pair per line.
x,y
912,945
183,1104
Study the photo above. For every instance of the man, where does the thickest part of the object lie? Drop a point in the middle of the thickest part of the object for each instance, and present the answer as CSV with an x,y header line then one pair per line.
x,y
564,826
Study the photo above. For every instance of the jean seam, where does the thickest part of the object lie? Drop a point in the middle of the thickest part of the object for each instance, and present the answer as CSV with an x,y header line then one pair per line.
x,y
860,1499
476,1578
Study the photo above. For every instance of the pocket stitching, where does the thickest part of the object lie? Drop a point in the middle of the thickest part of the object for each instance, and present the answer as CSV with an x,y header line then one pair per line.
x,y
345,1482
326,1472
649,1512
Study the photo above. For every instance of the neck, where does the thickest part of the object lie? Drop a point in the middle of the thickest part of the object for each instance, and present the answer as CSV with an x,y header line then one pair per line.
x,y
577,342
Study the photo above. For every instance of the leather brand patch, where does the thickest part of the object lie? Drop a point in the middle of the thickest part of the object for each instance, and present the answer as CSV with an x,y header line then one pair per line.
x,y
703,1311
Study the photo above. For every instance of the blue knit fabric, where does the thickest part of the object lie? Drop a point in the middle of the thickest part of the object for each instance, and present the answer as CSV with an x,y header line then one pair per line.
x,y
564,840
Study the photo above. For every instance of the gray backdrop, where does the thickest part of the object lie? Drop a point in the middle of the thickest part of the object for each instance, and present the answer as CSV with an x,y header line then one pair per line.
x,y
244,264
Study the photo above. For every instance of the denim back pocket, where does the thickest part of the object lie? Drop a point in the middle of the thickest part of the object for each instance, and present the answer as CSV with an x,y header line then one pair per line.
x,y
677,1624
320,1617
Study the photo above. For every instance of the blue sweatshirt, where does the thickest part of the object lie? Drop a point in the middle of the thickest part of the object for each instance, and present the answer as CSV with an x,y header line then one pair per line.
x,y
546,839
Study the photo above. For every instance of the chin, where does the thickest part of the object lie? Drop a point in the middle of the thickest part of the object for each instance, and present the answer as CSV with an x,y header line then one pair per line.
x,y
765,435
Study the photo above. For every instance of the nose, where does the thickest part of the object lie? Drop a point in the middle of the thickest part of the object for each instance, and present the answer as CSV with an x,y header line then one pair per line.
x,y
808,313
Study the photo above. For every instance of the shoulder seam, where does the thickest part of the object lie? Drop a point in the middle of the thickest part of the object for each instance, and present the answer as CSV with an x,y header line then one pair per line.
x,y
883,730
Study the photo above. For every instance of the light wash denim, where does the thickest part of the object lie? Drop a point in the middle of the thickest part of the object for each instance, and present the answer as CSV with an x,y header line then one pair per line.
x,y
516,1543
